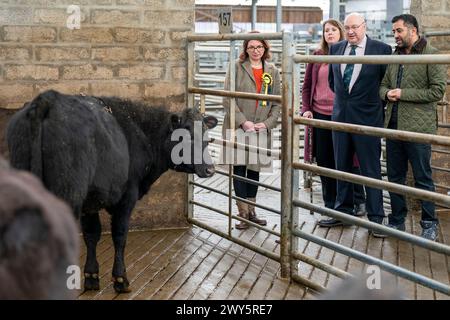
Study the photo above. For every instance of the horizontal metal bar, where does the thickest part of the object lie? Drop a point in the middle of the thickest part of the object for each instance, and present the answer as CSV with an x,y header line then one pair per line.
x,y
321,265
374,131
257,205
440,151
379,59
375,183
235,198
440,169
415,240
225,235
308,283
254,182
437,33
209,188
270,153
404,273
444,125
275,233
236,94
235,36
442,186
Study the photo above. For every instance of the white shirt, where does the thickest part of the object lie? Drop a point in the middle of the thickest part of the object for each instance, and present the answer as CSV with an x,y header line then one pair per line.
x,y
359,51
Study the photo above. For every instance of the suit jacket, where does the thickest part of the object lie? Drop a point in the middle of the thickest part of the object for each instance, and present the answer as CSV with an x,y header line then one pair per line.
x,y
363,104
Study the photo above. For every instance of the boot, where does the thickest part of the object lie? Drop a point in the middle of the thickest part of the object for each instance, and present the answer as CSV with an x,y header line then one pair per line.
x,y
243,213
252,214
429,230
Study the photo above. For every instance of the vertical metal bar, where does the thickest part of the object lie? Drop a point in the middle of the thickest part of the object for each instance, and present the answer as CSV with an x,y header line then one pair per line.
x,y
444,113
295,156
286,155
310,174
254,13
279,16
334,9
190,99
202,104
232,120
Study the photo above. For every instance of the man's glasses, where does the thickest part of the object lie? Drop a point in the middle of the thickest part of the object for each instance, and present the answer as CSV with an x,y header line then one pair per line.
x,y
252,48
354,27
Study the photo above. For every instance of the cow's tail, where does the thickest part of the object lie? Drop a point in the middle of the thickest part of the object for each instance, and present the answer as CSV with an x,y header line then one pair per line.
x,y
37,113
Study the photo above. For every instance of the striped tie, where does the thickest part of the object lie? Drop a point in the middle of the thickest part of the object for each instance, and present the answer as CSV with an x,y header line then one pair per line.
x,y
349,69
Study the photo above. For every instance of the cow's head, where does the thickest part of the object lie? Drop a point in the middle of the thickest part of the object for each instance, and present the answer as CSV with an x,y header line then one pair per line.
x,y
189,142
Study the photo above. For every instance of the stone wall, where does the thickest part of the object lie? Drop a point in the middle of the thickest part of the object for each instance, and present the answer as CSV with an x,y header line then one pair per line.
x,y
128,48
434,15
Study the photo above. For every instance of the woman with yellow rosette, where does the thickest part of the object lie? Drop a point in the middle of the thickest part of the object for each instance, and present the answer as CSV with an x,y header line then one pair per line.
x,y
252,119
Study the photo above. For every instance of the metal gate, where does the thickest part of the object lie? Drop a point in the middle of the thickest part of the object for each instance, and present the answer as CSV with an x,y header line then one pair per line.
x,y
290,202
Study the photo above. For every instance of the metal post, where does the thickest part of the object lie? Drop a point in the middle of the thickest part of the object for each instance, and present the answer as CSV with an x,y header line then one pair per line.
x,y
286,156
190,72
295,156
254,13
232,120
334,9
279,15
202,104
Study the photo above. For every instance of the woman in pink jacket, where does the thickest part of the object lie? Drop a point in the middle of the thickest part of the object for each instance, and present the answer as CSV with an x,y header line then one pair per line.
x,y
317,103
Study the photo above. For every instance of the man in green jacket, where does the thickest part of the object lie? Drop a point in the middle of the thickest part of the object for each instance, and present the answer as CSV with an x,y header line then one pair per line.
x,y
412,93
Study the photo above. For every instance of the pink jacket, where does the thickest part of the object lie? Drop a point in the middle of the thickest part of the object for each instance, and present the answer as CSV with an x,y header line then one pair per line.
x,y
308,88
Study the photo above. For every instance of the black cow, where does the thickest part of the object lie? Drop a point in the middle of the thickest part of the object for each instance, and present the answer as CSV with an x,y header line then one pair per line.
x,y
102,153
38,239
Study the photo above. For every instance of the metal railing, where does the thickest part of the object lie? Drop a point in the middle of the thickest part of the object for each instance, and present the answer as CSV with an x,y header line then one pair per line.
x,y
375,183
290,202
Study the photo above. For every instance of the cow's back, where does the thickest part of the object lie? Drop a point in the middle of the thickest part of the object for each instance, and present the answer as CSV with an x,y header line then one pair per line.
x,y
74,144
39,239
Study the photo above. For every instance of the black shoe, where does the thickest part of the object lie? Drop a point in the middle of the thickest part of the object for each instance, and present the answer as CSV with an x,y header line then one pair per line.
x,y
429,230
360,210
331,222
378,234
399,227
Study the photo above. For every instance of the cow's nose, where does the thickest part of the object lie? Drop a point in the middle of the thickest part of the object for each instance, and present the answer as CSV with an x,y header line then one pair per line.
x,y
210,171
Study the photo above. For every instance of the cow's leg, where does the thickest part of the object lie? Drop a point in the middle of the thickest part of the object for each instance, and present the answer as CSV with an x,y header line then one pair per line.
x,y
90,224
119,229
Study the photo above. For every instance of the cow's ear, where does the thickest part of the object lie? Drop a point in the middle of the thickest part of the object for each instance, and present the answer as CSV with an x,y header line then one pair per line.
x,y
210,121
175,121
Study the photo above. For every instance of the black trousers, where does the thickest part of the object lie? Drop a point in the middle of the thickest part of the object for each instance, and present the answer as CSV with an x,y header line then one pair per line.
x,y
324,152
244,189
419,155
368,150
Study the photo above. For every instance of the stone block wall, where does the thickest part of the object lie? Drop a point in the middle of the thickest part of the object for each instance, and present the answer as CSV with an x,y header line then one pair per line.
x,y
434,15
129,48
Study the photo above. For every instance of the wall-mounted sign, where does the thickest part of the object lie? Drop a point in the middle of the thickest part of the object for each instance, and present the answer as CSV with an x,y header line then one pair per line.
x,y
225,20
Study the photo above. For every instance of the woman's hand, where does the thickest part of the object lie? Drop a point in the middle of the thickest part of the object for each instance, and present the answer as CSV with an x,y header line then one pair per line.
x,y
260,126
308,114
248,126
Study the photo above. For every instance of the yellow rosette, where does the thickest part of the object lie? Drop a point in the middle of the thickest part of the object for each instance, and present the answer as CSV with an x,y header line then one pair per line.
x,y
267,81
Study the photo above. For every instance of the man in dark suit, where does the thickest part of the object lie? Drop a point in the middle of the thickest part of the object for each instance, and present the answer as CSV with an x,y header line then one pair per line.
x,y
357,101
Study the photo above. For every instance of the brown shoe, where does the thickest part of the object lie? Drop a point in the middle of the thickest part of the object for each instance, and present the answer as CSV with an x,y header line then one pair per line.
x,y
243,213
252,214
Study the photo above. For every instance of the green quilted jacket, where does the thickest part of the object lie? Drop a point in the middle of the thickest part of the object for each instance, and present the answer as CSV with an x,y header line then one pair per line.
x,y
422,87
